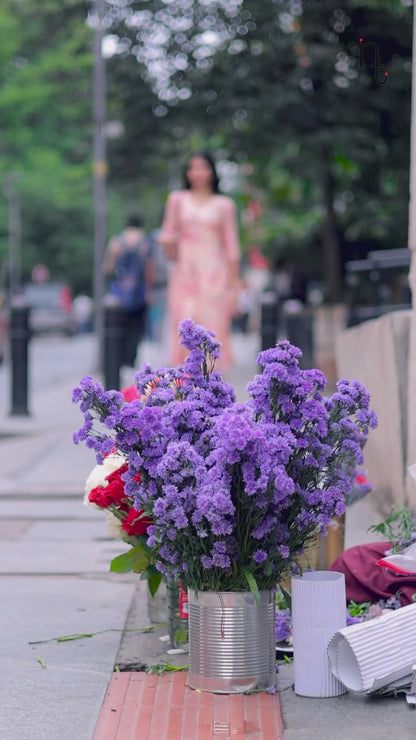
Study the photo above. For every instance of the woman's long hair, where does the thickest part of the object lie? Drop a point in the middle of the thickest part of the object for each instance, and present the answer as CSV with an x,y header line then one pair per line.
x,y
215,183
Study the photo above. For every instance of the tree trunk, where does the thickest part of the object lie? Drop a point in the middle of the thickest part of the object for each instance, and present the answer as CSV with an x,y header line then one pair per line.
x,y
330,238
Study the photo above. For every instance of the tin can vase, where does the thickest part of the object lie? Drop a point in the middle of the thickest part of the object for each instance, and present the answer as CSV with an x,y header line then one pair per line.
x,y
231,641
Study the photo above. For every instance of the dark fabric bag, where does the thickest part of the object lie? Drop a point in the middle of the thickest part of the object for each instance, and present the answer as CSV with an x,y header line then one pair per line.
x,y
129,281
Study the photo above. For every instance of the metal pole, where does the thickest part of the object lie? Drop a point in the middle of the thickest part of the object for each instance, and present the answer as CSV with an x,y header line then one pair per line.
x,y
410,452
14,228
99,174
412,176
19,333
112,343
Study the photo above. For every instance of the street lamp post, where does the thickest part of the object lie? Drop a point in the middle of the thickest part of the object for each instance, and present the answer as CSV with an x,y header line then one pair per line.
x,y
411,385
14,229
99,173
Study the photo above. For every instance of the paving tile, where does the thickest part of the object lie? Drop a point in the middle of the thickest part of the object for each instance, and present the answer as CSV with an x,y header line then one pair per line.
x,y
11,529
113,707
237,731
150,707
190,714
158,727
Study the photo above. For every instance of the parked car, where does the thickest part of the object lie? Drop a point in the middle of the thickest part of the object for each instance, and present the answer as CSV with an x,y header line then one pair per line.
x,y
50,307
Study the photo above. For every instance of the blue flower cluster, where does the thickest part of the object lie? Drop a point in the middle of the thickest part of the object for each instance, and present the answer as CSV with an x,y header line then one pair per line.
x,y
234,490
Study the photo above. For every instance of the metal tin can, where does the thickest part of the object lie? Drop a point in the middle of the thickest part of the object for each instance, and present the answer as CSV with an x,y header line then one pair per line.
x,y
231,641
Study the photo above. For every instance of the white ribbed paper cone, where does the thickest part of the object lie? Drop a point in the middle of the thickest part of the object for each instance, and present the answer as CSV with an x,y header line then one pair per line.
x,y
318,610
369,655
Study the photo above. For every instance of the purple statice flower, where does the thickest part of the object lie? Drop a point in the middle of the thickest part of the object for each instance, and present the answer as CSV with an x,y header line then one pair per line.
x,y
231,488
351,620
194,337
360,487
259,556
282,624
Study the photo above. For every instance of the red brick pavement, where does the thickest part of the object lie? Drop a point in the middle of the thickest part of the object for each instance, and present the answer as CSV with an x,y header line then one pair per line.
x,y
142,706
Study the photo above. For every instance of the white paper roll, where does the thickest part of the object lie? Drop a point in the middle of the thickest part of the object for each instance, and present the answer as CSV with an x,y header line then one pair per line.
x,y
318,610
369,655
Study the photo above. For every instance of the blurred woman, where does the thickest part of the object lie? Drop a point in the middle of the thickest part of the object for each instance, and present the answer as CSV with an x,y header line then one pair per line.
x,y
199,234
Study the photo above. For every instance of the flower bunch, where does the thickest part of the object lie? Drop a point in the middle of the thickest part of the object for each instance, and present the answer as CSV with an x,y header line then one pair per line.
x,y
360,488
109,494
104,489
234,490
399,528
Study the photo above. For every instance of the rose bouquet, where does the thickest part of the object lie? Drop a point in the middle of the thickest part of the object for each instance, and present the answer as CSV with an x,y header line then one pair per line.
x,y
233,490
104,490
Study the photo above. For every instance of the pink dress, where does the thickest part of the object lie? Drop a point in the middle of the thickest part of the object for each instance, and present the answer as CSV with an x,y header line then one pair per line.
x,y
200,279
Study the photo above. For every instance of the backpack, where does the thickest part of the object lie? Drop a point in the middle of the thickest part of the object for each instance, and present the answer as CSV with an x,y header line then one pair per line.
x,y
129,281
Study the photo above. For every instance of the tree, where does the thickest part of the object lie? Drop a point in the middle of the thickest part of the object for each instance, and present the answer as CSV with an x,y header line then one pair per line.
x,y
45,95
282,85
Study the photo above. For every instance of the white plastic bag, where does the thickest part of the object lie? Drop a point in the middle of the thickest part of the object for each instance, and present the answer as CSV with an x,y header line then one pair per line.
x,y
402,563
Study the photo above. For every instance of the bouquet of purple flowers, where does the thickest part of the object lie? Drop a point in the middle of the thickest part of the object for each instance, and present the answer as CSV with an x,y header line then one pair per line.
x,y
234,490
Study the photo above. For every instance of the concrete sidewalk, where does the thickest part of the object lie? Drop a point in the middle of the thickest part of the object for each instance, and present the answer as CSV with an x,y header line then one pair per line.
x,y
54,558
54,555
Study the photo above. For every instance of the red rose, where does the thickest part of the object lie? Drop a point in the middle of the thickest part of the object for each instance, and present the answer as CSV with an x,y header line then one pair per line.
x,y
360,478
135,522
129,393
115,487
98,496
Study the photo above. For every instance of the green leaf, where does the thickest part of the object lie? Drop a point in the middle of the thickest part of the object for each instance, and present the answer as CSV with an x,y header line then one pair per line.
x,y
66,638
252,584
164,667
287,597
135,559
154,582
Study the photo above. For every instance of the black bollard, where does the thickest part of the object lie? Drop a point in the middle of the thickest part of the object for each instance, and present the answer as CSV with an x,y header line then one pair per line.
x,y
113,339
19,332
299,330
268,319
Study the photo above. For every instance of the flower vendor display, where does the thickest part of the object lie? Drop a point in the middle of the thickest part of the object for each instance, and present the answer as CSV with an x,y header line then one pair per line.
x,y
234,491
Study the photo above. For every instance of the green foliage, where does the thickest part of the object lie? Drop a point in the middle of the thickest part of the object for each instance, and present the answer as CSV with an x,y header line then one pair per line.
x,y
357,610
287,91
252,585
136,559
398,528
45,70
284,93
153,578
165,667
283,598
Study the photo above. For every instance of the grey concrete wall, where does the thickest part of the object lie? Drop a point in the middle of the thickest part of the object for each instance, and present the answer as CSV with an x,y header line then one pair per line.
x,y
328,322
377,353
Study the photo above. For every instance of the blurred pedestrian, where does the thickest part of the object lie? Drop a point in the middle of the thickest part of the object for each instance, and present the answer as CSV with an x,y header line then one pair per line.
x,y
129,266
199,233
83,310
157,309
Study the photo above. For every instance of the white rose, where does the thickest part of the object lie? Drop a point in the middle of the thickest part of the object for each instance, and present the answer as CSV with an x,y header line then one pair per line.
x,y
114,527
97,476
